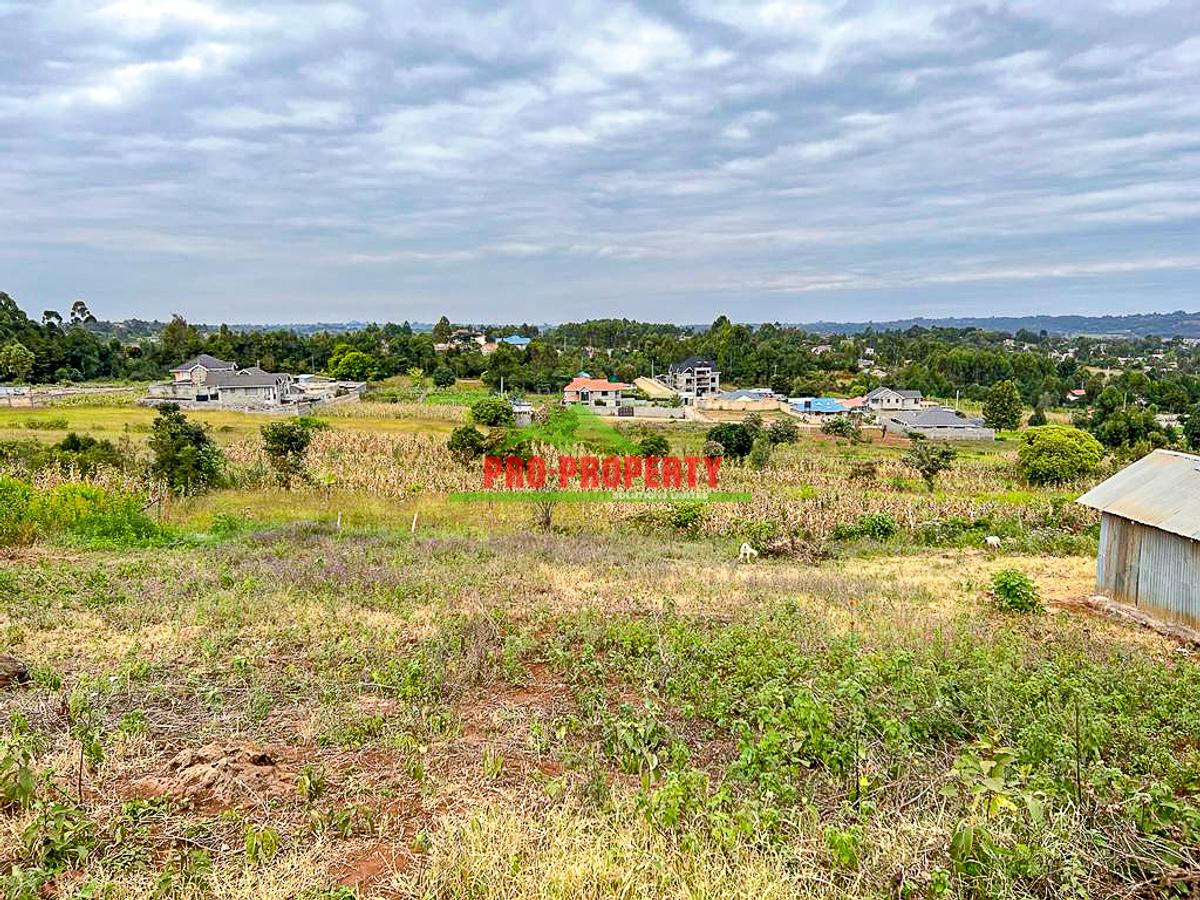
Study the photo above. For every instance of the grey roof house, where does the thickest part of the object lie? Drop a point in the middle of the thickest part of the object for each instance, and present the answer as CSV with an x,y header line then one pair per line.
x,y
696,378
196,370
1150,536
885,398
938,423
249,385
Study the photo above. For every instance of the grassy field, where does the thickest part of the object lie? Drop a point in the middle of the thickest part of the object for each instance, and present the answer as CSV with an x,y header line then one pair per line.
x,y
311,694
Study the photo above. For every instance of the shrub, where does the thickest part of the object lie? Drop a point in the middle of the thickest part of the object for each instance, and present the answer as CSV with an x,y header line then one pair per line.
x,y
842,426
443,377
1014,591
713,449
185,455
466,443
734,439
877,526
760,452
1037,418
783,431
654,445
47,424
286,444
1053,454
492,412
929,460
753,424
15,498
864,470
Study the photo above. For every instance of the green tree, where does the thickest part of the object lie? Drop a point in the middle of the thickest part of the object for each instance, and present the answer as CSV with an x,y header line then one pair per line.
x,y
352,365
443,377
783,431
753,424
929,460
492,412
184,453
734,438
16,361
654,445
1052,454
843,426
1191,428
1002,408
1037,418
466,443
760,452
442,330
286,445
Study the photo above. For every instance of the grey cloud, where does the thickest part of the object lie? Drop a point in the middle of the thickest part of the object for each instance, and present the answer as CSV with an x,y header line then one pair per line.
x,y
541,160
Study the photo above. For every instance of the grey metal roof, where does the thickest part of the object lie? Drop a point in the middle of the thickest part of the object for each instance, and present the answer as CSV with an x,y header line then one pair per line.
x,y
693,362
251,377
1162,490
881,390
937,417
209,362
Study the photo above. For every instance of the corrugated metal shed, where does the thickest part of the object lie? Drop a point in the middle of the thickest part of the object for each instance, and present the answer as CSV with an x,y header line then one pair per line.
x,y
1161,490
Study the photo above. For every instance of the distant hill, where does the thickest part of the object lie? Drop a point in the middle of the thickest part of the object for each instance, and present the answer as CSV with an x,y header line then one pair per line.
x,y
1173,324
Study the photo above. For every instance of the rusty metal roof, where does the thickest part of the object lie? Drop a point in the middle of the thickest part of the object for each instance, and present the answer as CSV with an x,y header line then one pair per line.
x,y
1161,490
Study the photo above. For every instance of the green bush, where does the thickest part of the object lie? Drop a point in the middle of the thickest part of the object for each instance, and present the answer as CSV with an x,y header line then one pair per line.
x,y
654,445
86,511
15,498
1053,454
734,439
492,412
783,431
80,511
466,443
1014,591
877,526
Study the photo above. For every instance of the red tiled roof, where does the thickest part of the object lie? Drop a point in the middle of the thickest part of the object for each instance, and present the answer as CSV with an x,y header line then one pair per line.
x,y
596,384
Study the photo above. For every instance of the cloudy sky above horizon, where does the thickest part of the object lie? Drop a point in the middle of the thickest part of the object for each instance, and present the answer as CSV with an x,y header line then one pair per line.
x,y
545,160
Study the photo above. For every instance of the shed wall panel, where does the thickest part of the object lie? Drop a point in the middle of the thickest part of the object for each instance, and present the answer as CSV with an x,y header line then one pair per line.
x,y
1154,570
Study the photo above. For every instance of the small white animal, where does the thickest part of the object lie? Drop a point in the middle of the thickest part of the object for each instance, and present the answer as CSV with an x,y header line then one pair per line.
x,y
747,553
992,542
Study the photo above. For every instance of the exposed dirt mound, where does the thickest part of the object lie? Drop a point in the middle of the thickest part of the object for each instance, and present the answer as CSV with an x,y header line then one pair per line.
x,y
221,774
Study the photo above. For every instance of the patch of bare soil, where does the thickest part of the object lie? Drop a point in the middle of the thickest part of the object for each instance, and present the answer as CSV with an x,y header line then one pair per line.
x,y
220,775
367,864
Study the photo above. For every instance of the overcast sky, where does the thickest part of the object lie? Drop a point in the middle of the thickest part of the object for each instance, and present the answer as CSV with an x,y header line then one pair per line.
x,y
547,161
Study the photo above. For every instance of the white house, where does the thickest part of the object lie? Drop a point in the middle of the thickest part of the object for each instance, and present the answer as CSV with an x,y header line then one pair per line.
x,y
885,399
696,378
594,391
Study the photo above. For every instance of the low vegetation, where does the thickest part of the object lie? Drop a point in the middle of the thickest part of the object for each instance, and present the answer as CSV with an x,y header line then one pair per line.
x,y
275,662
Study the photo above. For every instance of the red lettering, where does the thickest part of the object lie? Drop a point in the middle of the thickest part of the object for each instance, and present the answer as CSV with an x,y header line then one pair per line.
x,y
671,471
567,467
652,479
535,472
633,468
611,472
514,472
711,464
492,466
692,462
589,478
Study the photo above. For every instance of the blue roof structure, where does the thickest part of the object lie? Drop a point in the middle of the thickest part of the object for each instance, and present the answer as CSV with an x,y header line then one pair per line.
x,y
516,340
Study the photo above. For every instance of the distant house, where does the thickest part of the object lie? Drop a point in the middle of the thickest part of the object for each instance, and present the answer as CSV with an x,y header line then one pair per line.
x,y
15,395
196,370
1077,395
696,378
250,386
818,406
748,394
1150,536
885,399
821,349
515,340
937,423
594,391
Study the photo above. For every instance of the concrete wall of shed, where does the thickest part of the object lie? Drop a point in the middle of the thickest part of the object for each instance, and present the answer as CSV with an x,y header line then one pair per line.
x,y
1154,570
